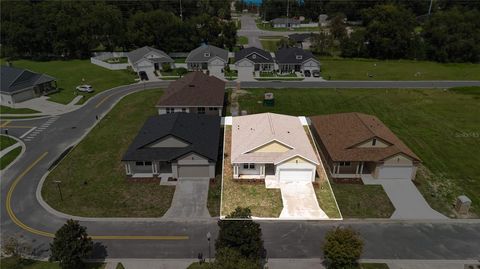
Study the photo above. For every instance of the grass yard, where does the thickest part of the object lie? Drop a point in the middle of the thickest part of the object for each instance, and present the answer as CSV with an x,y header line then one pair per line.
x,y
9,110
373,266
270,45
10,157
370,69
440,126
93,178
261,201
180,60
242,40
6,142
71,73
13,262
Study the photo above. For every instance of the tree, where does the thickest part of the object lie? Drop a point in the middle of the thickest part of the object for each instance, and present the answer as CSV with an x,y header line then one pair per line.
x,y
244,236
338,28
229,33
322,43
182,71
227,258
342,248
14,246
71,245
354,45
285,42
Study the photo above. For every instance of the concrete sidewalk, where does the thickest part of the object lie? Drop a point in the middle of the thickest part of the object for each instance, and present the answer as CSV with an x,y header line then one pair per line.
x,y
46,107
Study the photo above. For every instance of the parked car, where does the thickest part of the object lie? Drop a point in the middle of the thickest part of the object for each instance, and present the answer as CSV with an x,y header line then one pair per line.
x,y
307,73
85,88
143,75
316,73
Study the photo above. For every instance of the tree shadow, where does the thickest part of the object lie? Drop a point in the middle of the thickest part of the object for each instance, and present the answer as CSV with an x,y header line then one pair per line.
x,y
99,251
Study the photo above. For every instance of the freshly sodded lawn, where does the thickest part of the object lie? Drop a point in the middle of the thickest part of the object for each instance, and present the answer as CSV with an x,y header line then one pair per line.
x,y
9,110
6,142
71,73
441,126
9,157
242,40
370,69
12,262
261,201
93,180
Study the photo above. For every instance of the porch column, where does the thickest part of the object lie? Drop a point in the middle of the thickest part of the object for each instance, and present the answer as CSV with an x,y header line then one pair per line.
x,y
338,168
361,168
154,168
127,168
356,169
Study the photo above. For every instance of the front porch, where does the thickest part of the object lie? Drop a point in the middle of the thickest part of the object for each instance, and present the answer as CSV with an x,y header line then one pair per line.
x,y
351,169
254,171
149,169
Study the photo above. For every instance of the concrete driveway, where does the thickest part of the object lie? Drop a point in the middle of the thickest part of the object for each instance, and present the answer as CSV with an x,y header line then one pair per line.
x,y
300,201
407,200
190,200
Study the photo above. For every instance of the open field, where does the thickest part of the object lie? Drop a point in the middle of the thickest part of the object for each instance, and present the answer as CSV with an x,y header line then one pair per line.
x,y
371,69
92,175
71,73
440,126
261,201
9,110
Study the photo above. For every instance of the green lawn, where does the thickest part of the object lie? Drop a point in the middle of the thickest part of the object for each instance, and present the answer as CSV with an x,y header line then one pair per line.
x,y
9,110
71,73
117,60
6,142
92,175
242,40
14,263
270,44
370,69
180,60
9,157
440,126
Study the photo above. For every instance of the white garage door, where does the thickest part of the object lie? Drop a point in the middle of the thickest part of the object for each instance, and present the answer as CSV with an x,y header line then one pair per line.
x,y
295,175
245,72
391,172
193,171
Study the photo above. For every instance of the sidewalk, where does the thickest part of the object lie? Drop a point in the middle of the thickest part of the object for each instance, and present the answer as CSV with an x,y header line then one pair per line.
x,y
46,107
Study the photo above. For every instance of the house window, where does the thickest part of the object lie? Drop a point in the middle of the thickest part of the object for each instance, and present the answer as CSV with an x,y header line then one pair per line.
x,y
299,57
201,110
210,108
254,56
143,163
170,110
344,163
374,142
206,54
148,163
249,166
184,110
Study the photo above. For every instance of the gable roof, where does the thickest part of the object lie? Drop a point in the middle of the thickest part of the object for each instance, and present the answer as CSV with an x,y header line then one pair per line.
x,y
202,132
289,55
299,37
339,133
198,54
252,131
194,89
265,56
14,79
285,21
138,54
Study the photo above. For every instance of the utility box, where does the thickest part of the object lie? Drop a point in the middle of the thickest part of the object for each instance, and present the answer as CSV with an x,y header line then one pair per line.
x,y
463,204
269,100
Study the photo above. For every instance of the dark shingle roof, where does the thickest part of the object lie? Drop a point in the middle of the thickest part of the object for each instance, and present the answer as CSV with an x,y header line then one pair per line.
x,y
202,132
299,37
135,55
289,55
198,54
261,55
14,79
194,89
340,133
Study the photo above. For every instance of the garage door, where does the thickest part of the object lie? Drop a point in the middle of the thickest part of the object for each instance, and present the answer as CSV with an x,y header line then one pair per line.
x,y
193,171
245,72
392,172
295,175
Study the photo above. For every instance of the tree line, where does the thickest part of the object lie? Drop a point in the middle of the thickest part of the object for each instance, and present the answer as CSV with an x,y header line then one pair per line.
x,y
73,29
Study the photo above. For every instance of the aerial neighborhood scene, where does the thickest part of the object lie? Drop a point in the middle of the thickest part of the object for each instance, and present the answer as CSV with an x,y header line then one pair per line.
x,y
240,134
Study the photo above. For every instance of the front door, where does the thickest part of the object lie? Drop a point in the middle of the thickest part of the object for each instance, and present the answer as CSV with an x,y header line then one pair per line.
x,y
156,66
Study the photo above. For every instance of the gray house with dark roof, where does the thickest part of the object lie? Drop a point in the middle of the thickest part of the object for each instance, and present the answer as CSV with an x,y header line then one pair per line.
x,y
148,59
208,57
295,60
178,145
18,85
285,23
253,59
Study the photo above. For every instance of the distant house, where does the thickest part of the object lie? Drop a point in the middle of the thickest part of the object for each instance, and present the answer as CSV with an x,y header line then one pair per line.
x,y
303,41
18,85
355,145
208,57
148,59
295,60
178,145
285,23
196,92
253,59
273,147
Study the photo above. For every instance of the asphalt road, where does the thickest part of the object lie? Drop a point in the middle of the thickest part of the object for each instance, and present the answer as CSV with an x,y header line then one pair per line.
x,y
22,214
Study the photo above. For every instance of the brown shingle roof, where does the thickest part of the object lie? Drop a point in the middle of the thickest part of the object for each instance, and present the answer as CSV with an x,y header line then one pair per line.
x,y
194,89
339,133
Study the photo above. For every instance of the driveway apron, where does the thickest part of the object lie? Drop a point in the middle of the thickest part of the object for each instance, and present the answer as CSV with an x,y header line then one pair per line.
x,y
189,200
300,201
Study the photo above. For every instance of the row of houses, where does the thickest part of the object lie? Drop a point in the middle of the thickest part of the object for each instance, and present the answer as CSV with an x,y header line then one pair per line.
x,y
183,141
215,60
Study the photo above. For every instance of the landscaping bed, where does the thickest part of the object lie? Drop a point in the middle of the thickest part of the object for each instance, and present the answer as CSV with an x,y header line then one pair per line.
x,y
278,76
440,126
93,180
261,201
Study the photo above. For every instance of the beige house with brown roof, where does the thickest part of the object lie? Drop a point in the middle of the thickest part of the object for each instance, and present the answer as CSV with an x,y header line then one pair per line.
x,y
272,147
356,144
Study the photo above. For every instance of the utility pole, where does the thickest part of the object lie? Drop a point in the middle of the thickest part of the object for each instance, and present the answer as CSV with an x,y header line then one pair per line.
x,y
430,8
181,12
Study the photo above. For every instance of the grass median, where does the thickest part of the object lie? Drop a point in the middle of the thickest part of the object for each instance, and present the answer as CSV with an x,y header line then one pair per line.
x,y
93,180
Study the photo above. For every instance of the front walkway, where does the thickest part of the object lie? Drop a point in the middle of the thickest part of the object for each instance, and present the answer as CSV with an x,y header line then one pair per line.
x,y
189,200
300,201
46,107
405,197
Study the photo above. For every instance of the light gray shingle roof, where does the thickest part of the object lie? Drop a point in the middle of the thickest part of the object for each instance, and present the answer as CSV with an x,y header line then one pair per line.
x,y
136,55
14,79
199,54
263,56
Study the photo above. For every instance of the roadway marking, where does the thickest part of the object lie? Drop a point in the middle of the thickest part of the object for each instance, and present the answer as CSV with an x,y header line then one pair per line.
x,y
25,227
103,100
4,124
41,128
29,131
19,126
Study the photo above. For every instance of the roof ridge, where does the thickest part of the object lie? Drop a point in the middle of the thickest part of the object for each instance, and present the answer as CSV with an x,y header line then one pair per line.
x,y
272,128
366,125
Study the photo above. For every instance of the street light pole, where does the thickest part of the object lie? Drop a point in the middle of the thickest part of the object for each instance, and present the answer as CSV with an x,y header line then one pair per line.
x,y
430,8
209,248
59,189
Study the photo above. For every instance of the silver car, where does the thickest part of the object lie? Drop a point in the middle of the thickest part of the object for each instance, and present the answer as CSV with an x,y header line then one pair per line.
x,y
85,88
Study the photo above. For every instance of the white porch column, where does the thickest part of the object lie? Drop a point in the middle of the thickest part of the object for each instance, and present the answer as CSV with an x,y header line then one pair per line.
x,y
127,168
361,168
356,169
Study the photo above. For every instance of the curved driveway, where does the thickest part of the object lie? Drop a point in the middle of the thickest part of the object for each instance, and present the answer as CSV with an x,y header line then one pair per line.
x,y
22,214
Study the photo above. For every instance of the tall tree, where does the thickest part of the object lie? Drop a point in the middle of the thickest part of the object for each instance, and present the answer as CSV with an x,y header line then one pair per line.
x,y
71,245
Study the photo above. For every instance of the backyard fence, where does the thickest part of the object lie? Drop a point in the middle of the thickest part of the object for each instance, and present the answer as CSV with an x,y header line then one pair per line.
x,y
100,60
